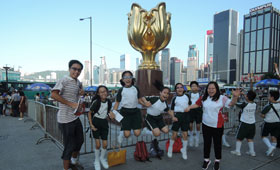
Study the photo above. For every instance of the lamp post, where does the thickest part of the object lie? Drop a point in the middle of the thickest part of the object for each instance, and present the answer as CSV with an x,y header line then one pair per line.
x,y
90,47
6,69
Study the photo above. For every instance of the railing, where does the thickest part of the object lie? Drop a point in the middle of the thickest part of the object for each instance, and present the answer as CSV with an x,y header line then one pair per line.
x,y
45,117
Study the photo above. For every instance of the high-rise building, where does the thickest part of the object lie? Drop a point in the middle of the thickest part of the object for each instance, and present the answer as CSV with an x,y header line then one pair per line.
x,y
192,66
103,72
125,62
225,45
172,70
115,75
95,74
176,66
261,47
208,46
86,71
163,57
239,57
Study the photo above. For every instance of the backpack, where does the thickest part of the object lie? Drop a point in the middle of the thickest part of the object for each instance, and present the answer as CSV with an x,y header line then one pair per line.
x,y
176,146
141,153
155,151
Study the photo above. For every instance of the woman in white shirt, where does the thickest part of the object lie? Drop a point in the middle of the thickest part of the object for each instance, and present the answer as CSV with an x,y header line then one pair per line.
x,y
212,103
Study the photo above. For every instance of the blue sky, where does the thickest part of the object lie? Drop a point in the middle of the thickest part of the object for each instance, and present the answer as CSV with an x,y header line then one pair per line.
x,y
40,35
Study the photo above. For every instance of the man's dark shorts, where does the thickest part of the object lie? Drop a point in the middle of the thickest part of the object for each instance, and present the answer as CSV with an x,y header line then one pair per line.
x,y
73,137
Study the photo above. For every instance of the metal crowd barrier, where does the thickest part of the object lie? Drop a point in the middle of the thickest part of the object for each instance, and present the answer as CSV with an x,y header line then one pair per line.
x,y
52,125
45,118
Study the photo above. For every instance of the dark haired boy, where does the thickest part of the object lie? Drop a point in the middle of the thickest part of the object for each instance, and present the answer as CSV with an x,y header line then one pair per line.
x,y
67,92
247,127
195,115
270,113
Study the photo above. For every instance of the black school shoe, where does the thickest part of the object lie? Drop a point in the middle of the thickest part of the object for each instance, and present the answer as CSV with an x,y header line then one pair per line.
x,y
206,164
216,166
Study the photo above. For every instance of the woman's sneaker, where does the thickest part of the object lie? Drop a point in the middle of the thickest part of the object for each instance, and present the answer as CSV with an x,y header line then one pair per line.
x,y
216,166
206,164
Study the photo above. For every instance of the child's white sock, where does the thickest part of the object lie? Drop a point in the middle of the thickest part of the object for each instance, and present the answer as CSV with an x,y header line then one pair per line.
x,y
251,147
238,146
267,142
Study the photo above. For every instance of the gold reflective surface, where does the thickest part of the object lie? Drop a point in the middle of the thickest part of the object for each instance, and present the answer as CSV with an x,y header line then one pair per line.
x,y
149,32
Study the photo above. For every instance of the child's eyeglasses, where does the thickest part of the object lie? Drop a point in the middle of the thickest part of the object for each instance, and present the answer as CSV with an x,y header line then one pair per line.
x,y
76,69
127,77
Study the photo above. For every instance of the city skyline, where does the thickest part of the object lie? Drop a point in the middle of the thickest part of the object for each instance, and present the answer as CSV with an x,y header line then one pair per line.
x,y
39,36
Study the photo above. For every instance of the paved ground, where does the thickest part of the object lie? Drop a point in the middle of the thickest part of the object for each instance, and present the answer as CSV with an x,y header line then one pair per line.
x,y
18,151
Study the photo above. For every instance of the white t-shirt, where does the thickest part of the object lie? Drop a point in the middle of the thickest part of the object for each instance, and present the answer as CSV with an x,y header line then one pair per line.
x,y
212,110
128,97
157,106
194,97
180,103
102,112
248,113
270,115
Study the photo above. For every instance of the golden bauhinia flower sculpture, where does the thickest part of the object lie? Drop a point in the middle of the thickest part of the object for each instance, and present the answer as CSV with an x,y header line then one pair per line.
x,y
149,32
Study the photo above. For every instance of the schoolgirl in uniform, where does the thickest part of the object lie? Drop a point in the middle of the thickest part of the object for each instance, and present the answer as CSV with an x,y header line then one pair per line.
x,y
247,127
195,115
271,113
157,105
180,118
99,110
128,97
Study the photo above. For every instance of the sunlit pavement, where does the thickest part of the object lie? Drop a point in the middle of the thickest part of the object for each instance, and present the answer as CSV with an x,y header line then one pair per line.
x,y
19,151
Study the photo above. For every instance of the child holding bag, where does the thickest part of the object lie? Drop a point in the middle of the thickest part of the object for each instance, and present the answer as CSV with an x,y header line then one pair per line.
x,y
99,110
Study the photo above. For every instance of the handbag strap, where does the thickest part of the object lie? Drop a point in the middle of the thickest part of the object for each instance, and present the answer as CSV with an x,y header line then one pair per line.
x,y
275,111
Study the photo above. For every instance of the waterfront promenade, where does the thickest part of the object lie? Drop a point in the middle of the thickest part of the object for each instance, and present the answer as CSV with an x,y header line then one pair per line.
x,y
18,151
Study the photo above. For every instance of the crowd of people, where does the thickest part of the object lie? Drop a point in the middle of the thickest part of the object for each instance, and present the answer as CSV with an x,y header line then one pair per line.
x,y
13,103
205,109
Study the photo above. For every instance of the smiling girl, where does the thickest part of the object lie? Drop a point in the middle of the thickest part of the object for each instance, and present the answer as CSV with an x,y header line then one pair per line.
x,y
180,119
128,97
99,110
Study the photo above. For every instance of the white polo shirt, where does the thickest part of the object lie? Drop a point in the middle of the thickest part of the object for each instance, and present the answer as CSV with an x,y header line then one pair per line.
x,y
212,110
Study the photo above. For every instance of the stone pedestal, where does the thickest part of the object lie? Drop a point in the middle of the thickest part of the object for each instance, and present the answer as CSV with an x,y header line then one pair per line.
x,y
145,80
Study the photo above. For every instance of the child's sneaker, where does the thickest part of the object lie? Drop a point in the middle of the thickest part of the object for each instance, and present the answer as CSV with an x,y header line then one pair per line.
x,y
235,153
184,154
169,152
216,165
206,164
251,153
270,151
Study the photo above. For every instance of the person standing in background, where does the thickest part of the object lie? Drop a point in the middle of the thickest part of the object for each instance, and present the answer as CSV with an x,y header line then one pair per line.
x,y
22,105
